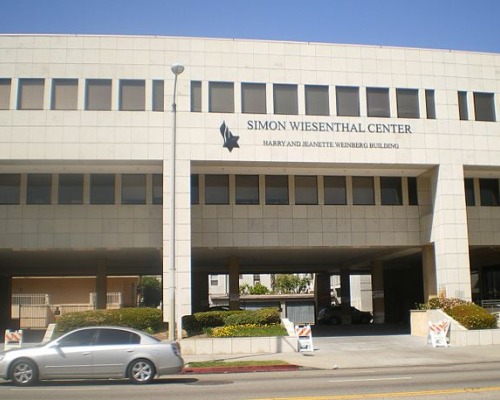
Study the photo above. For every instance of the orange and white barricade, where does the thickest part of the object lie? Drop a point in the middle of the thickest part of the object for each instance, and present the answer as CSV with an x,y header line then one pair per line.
x,y
304,338
13,339
438,333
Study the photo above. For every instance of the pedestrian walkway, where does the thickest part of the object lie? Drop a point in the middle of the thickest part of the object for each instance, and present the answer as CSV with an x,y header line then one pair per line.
x,y
399,350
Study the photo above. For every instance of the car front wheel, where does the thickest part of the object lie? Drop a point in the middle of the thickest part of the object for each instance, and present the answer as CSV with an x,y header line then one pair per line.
x,y
24,373
141,371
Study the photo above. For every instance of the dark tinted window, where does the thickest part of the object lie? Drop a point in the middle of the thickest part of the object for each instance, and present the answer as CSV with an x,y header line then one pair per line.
x,y
412,191
195,189
484,106
462,106
317,100
390,191
39,189
247,189
71,189
102,189
347,101
285,99
407,101
79,338
10,188
470,198
430,104
216,189
335,190
276,189
362,190
489,192
117,336
377,101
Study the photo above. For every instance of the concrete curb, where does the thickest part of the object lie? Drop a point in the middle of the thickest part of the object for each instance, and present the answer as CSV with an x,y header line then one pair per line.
x,y
239,369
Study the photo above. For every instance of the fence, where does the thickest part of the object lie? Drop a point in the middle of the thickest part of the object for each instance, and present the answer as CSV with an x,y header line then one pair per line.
x,y
35,311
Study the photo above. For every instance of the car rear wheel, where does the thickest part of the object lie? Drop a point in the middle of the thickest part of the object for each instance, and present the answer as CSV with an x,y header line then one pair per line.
x,y
24,373
141,371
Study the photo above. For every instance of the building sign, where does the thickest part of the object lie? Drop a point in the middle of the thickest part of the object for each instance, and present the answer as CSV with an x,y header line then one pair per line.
x,y
333,127
336,127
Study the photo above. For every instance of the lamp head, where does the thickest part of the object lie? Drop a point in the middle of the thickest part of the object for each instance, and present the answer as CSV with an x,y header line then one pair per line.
x,y
177,69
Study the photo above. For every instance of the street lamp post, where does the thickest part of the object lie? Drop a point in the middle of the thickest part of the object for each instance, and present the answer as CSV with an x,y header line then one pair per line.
x,y
177,69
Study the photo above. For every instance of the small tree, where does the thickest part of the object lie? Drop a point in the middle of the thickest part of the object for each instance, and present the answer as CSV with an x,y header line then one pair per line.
x,y
258,288
291,283
151,291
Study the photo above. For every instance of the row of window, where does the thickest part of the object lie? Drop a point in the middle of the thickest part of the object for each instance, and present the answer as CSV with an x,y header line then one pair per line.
x,y
488,190
246,189
132,97
81,189
221,97
98,94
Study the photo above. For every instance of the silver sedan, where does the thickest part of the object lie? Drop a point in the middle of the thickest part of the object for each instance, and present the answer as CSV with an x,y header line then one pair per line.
x,y
90,353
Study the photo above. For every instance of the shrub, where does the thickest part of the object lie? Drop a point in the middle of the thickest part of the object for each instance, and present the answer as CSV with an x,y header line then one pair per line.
x,y
144,319
201,321
248,330
263,316
468,314
471,316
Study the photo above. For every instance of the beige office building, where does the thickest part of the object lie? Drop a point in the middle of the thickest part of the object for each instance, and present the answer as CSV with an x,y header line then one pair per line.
x,y
289,157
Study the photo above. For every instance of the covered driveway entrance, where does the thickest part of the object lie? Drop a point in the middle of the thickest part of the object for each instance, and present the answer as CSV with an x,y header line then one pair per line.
x,y
396,272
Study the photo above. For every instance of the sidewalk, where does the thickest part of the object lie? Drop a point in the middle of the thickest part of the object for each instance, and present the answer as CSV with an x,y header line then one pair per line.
x,y
401,350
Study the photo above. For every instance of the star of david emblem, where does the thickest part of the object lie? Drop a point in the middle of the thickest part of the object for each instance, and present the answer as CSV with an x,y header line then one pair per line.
x,y
230,140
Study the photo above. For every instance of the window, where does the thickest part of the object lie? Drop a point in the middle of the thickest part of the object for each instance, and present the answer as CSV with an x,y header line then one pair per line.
x,y
256,279
377,102
362,190
276,189
412,191
98,95
39,189
306,190
79,338
285,99
132,95
116,337
158,96
463,110
157,189
253,98
391,191
31,93
64,94
489,192
335,190
407,100
102,189
134,189
484,106
216,189
221,97
347,101
10,188
317,100
70,189
470,198
195,96
214,280
247,189
195,189
5,85
430,104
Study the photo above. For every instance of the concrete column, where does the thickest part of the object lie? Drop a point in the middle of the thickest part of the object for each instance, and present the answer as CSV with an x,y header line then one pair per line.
x,y
5,304
429,271
323,291
199,291
101,286
234,283
378,292
449,232
345,289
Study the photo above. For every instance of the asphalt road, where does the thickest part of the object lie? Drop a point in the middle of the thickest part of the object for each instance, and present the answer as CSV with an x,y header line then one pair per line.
x,y
454,382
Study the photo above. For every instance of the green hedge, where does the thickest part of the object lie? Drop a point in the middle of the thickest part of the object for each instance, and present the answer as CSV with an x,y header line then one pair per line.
x,y
144,319
471,316
468,314
196,323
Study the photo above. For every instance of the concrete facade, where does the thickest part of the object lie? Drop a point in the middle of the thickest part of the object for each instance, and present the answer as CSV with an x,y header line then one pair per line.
x,y
421,136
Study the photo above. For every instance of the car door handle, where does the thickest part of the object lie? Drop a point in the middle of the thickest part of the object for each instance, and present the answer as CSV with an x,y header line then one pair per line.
x,y
130,350
86,353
